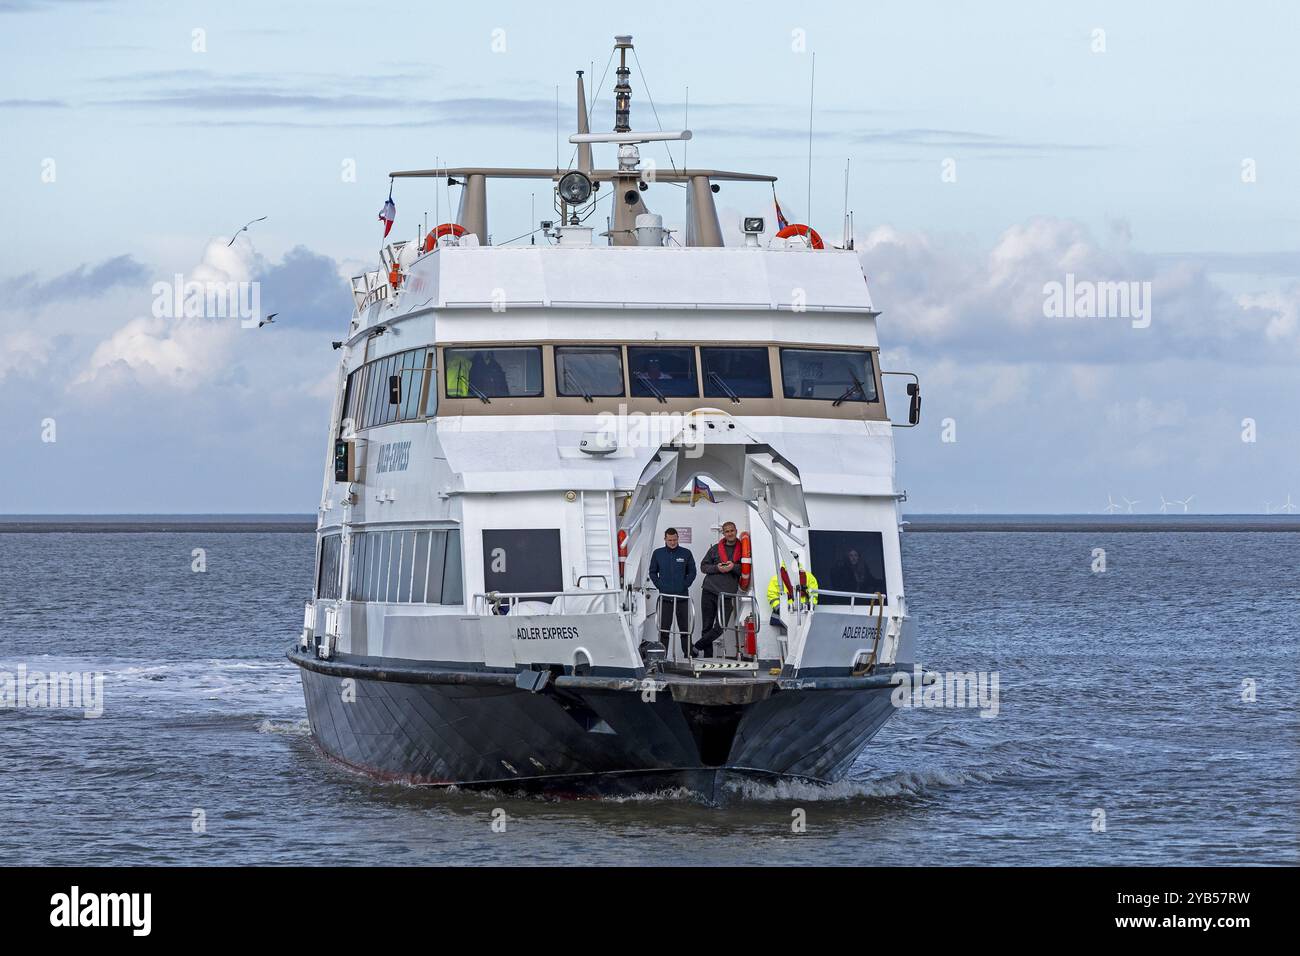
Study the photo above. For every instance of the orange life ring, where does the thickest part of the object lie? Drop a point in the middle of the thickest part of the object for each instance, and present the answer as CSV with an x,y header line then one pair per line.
x,y
799,229
447,228
746,561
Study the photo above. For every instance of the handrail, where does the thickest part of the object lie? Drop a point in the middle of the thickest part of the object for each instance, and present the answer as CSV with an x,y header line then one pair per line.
x,y
737,624
870,597
665,637
495,600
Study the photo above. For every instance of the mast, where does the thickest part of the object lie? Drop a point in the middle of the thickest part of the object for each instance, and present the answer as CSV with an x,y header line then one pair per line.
x,y
622,89
584,149
627,200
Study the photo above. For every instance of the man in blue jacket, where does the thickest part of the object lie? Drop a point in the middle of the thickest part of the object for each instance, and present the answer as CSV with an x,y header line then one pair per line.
x,y
672,569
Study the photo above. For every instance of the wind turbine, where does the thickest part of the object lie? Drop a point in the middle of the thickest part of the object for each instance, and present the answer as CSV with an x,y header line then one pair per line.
x,y
1164,505
1186,503
1289,507
1130,504
1111,507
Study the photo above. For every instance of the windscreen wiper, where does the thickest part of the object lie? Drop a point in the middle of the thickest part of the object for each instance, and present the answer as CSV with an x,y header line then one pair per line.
x,y
722,384
479,393
855,387
654,390
573,380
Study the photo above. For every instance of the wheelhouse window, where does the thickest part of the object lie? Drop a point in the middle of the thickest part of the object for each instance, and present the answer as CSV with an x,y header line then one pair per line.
x,y
852,561
367,401
829,375
328,578
736,372
662,371
512,372
588,372
415,566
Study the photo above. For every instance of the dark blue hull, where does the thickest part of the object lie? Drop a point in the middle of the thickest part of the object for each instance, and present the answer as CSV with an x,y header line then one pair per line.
x,y
586,736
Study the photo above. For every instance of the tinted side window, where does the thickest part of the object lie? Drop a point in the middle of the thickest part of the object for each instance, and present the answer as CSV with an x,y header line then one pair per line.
x,y
743,372
327,579
828,375
848,561
406,567
655,370
366,399
584,371
522,561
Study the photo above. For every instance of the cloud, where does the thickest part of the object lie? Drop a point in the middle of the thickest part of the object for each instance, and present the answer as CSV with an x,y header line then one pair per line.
x,y
946,294
33,104
28,6
307,290
176,351
1282,311
80,283
164,348
22,350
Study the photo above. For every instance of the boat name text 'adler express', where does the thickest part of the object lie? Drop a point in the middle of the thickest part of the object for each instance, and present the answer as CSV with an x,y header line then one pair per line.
x,y
515,429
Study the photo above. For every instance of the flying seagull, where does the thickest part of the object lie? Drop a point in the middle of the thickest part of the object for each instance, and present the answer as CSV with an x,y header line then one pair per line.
x,y
238,231
268,320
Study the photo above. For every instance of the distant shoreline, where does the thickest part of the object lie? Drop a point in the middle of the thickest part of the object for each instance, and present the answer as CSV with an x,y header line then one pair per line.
x,y
158,524
922,523
1104,524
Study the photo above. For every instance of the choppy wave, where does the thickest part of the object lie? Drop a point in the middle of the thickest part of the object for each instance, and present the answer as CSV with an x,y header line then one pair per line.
x,y
908,783
289,728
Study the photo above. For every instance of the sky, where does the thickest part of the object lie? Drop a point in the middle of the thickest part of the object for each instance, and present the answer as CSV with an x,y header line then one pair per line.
x,y
993,150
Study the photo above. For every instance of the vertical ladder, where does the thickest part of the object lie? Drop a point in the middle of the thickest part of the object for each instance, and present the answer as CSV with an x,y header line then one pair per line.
x,y
598,539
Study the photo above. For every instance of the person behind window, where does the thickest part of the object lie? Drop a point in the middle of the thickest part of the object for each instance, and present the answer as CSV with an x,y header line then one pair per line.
x,y
654,370
672,569
458,375
721,567
852,573
496,376
487,375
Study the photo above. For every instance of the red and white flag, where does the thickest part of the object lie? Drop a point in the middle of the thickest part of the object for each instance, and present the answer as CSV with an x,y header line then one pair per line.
x,y
387,215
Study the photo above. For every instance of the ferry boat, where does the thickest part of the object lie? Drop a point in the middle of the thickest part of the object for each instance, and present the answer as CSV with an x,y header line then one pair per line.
x,y
517,426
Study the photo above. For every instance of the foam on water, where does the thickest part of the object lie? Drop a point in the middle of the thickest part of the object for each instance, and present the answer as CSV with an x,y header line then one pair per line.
x,y
289,728
909,783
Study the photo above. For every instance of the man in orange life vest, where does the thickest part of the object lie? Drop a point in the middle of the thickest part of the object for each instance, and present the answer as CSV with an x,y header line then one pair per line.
x,y
721,567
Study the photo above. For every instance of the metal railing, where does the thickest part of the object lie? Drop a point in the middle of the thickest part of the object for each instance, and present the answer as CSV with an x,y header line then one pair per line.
x,y
503,602
666,635
869,600
733,618
734,622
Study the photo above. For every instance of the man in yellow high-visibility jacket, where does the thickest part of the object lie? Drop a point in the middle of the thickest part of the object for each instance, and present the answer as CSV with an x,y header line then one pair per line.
x,y
458,376
806,598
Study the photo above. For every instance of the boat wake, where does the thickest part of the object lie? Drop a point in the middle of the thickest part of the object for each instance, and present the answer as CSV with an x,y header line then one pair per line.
x,y
287,728
909,783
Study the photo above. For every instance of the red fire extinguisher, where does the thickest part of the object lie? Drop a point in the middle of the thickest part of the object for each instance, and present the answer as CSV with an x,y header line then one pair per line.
x,y
751,638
